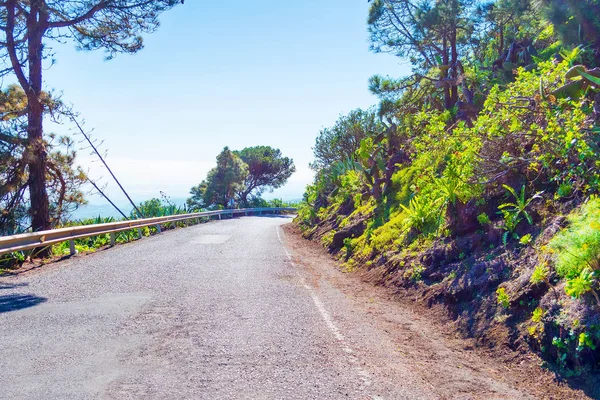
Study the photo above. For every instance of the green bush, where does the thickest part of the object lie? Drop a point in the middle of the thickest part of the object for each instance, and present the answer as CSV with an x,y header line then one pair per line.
x,y
483,219
578,246
581,284
502,298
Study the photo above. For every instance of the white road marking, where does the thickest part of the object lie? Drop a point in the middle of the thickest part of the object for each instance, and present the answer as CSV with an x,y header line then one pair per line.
x,y
364,375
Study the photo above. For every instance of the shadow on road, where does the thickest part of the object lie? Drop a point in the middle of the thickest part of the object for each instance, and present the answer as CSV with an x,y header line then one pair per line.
x,y
14,302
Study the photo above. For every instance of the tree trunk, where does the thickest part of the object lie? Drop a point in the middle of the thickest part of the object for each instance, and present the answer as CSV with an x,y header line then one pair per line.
x,y
501,44
37,160
446,61
454,64
244,199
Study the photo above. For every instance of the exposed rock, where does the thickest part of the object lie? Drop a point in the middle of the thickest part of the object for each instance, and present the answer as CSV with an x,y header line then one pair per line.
x,y
462,217
355,229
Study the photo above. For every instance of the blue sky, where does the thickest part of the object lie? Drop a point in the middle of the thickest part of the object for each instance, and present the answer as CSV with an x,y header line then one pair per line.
x,y
236,73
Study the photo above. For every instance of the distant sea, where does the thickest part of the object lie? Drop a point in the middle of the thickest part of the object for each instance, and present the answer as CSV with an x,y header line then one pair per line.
x,y
94,210
106,210
102,210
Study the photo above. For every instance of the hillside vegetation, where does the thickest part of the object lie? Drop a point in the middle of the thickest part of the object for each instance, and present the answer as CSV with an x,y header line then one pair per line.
x,y
474,182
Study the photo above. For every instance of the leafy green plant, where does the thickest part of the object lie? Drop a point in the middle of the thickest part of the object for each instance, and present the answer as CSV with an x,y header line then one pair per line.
x,y
415,273
576,88
578,246
564,190
537,315
502,298
526,239
537,327
371,163
483,219
13,259
348,248
420,213
515,212
585,340
540,274
327,239
562,350
582,284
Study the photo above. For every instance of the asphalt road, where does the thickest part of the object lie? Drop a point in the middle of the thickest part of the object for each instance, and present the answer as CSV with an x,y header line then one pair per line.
x,y
214,311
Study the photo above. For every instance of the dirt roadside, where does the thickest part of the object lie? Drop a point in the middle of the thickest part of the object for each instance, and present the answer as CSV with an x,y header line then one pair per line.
x,y
426,339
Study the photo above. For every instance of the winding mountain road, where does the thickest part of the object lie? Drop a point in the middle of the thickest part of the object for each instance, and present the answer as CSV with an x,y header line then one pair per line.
x,y
223,310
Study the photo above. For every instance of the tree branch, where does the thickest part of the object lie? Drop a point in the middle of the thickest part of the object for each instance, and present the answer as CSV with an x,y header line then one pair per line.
x,y
10,46
70,22
13,139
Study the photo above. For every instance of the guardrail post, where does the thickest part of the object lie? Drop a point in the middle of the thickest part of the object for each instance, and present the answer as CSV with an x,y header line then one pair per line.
x,y
140,233
219,215
72,248
113,239
158,228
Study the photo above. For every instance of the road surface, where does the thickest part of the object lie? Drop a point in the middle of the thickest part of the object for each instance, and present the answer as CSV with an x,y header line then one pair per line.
x,y
223,310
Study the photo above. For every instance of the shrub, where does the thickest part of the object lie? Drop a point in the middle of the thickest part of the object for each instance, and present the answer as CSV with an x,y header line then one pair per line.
x,y
502,298
483,219
582,284
578,246
537,315
526,239
515,212
540,274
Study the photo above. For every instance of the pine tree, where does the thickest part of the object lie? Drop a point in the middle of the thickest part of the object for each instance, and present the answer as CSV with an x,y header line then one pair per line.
x,y
114,25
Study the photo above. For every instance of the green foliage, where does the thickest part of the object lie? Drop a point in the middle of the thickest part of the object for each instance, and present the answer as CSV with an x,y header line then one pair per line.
x,y
240,178
575,20
502,298
340,142
421,214
507,99
64,179
483,219
564,190
585,340
222,183
415,273
160,208
526,239
267,170
540,274
14,259
403,184
515,212
327,239
576,88
537,315
371,162
584,283
578,246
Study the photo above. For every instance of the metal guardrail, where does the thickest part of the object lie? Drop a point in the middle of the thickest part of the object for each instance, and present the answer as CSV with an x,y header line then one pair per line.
x,y
27,241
